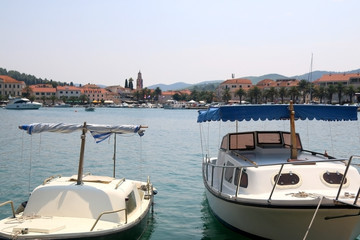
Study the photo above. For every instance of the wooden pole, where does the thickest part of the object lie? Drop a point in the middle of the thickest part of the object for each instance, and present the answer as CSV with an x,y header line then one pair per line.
x,y
81,160
292,132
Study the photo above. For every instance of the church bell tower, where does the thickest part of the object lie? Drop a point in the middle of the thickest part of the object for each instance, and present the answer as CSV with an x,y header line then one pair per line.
x,y
139,81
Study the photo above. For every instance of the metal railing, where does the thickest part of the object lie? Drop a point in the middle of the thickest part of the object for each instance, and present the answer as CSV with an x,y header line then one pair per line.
x,y
109,212
12,206
207,164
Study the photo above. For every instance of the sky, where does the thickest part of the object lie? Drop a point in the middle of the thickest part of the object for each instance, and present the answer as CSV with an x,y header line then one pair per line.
x,y
108,41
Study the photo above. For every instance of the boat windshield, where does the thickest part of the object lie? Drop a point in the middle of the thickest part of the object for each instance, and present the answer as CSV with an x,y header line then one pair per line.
x,y
249,140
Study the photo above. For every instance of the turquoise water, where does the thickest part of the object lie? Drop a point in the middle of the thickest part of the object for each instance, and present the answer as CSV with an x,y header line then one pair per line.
x,y
169,152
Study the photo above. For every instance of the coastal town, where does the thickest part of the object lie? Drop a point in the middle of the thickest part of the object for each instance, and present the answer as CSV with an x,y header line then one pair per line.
x,y
333,88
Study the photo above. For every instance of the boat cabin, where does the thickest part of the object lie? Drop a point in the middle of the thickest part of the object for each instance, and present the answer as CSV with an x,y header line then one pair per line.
x,y
258,139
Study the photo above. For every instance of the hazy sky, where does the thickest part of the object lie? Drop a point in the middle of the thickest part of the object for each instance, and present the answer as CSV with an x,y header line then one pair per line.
x,y
105,42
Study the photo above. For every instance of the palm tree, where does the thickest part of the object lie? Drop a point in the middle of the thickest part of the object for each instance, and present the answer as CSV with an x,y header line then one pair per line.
x,y
272,93
53,98
330,90
340,89
226,95
294,93
320,93
283,93
241,93
350,90
157,93
255,94
303,88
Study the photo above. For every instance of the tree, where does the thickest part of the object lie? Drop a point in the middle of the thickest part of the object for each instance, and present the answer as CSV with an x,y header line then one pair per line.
x,y
43,98
283,93
330,90
126,83
226,95
294,93
241,93
131,86
53,98
84,99
27,92
340,89
320,93
303,88
157,93
272,93
32,98
254,94
350,91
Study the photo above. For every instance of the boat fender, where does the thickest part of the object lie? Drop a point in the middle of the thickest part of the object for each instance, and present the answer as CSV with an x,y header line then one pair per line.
x,y
155,192
21,207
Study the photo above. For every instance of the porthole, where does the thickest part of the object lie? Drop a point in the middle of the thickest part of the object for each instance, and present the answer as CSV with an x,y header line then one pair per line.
x,y
287,179
333,177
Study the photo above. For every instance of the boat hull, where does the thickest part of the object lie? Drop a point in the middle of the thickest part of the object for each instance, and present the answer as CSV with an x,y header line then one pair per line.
x,y
131,231
23,106
280,222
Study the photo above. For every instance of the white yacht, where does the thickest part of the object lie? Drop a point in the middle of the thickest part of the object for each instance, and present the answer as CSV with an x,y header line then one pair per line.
x,y
22,104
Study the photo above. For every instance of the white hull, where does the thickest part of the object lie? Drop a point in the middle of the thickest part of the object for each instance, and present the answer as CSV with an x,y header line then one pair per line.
x,y
285,222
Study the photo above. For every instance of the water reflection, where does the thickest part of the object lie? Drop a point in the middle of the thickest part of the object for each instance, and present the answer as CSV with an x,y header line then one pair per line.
x,y
212,228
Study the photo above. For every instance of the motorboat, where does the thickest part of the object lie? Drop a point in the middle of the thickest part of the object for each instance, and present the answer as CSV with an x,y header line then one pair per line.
x,y
173,104
264,184
22,104
89,108
82,205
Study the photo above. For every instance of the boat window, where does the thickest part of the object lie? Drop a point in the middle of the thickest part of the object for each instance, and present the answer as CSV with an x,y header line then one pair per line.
x,y
244,178
130,202
333,177
287,179
224,143
269,137
242,141
229,172
287,140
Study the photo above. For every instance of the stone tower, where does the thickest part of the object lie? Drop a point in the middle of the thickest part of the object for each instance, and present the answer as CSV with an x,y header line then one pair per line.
x,y
139,81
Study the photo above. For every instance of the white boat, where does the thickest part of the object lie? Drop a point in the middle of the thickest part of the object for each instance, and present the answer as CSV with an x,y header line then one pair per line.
x,y
173,104
285,191
22,104
82,206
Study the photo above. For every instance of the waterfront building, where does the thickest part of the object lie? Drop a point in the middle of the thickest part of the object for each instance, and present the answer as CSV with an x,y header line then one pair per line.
x,y
68,92
233,85
42,90
11,86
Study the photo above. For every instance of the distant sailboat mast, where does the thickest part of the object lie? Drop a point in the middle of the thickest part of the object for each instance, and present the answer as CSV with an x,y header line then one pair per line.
x,y
310,76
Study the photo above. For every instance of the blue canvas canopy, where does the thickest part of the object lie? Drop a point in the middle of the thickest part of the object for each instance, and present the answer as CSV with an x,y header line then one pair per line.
x,y
278,112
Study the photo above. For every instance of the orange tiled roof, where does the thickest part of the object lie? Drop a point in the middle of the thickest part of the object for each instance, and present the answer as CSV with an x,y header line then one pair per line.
x,y
68,88
8,79
237,81
338,77
35,88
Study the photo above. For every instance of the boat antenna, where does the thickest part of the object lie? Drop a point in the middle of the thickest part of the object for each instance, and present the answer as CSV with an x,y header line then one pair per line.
x,y
81,160
292,131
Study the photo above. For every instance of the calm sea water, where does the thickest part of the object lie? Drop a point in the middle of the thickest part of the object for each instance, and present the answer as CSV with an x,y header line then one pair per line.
x,y
169,152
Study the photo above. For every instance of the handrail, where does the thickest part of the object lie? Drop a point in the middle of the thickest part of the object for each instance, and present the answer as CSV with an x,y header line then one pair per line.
x,y
51,178
12,206
109,212
276,182
223,167
119,183
344,176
